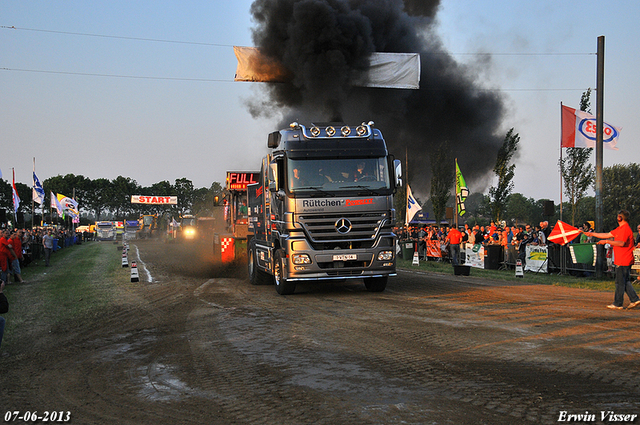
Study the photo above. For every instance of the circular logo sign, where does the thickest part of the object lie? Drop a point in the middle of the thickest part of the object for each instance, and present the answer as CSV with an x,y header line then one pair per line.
x,y
587,127
343,226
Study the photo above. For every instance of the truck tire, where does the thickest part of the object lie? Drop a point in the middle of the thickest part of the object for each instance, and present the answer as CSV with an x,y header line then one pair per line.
x,y
256,276
282,286
376,284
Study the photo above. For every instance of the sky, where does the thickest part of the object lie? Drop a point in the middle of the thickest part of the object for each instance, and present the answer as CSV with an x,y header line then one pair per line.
x,y
89,88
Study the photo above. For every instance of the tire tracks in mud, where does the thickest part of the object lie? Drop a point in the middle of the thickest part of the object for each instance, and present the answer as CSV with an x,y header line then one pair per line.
x,y
520,367
201,345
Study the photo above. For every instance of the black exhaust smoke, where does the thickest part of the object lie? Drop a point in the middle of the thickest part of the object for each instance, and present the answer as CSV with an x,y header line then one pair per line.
x,y
326,43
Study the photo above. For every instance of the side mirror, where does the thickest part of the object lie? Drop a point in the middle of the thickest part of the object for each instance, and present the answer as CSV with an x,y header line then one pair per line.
x,y
398,171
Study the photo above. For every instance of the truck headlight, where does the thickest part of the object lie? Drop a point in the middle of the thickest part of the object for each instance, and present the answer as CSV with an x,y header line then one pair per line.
x,y
385,255
301,259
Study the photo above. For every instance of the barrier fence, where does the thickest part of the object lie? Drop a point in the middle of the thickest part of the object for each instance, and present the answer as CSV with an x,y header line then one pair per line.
x,y
571,258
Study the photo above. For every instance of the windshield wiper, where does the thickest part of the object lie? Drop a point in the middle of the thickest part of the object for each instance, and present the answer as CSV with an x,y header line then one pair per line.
x,y
316,189
368,190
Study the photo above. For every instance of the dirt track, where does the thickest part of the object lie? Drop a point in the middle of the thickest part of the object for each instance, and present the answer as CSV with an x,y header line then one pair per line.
x,y
200,345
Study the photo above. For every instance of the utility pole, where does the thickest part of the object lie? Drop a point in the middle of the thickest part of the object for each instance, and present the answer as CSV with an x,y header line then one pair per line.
x,y
600,262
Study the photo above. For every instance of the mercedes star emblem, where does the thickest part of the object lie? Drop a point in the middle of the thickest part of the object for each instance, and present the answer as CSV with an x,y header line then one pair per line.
x,y
343,226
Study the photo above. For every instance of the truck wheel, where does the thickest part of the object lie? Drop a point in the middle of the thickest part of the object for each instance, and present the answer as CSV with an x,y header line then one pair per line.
x,y
282,286
257,276
376,284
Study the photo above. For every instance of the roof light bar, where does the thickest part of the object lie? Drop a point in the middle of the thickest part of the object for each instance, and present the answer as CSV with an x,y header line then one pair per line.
x,y
363,130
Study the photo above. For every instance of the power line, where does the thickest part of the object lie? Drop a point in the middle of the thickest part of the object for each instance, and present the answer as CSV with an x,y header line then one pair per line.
x,y
139,77
117,37
212,80
159,40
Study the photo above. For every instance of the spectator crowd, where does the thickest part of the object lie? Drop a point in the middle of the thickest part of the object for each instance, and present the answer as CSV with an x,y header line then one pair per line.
x,y
513,239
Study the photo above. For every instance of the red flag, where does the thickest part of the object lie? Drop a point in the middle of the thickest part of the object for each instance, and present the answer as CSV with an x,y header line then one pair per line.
x,y
16,199
568,139
563,233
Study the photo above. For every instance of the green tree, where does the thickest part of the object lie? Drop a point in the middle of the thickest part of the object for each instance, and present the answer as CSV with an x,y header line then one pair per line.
x,y
97,196
620,187
400,204
205,200
518,209
5,196
578,174
505,171
185,192
119,201
442,180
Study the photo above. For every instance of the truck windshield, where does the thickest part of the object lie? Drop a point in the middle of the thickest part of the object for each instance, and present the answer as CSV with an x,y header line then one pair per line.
x,y
341,174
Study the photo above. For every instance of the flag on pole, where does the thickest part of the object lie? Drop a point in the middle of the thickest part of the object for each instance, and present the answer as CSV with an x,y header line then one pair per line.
x,y
461,190
579,130
69,205
55,204
38,190
16,199
563,233
412,206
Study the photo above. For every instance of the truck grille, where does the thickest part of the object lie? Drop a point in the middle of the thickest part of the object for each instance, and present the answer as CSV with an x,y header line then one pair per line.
x,y
345,231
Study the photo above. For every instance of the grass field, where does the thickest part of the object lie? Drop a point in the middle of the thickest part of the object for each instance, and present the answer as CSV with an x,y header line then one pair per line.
x,y
80,286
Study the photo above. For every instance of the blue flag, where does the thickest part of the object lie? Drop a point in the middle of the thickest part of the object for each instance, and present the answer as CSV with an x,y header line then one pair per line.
x,y
38,190
412,206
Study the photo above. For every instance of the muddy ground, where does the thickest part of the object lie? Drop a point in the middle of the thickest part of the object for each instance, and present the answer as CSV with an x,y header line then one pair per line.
x,y
195,343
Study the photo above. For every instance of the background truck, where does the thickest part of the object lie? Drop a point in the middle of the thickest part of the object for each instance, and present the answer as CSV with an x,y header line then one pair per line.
x,y
323,208
230,236
131,229
148,226
105,231
188,230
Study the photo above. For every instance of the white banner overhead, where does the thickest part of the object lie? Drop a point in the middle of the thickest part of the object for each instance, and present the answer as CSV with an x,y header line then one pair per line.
x,y
154,200
386,70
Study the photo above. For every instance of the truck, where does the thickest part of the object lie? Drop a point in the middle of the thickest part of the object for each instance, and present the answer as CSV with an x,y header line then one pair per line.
x,y
105,231
323,208
131,229
148,226
230,235
187,230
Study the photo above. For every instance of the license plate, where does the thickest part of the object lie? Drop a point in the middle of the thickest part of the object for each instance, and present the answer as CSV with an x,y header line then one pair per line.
x,y
344,257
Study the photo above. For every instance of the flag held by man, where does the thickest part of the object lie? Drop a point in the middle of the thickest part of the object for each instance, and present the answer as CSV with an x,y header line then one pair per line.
x,y
563,233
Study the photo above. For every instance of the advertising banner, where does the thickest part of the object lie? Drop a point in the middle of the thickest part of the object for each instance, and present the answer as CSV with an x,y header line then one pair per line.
x,y
636,257
433,249
474,255
536,259
154,200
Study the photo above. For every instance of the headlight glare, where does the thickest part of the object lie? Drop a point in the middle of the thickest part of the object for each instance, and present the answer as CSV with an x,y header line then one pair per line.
x,y
385,255
301,259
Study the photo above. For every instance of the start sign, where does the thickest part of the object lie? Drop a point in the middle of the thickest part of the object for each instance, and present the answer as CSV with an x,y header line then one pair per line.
x,y
239,180
154,200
